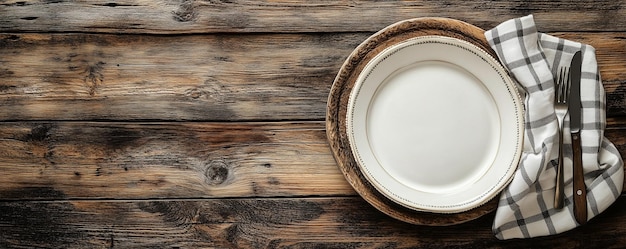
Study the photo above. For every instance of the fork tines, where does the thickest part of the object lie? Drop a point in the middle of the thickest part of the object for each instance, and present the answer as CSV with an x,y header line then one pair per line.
x,y
563,84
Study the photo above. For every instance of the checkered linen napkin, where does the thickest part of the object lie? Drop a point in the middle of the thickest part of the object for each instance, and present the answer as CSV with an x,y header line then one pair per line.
x,y
526,206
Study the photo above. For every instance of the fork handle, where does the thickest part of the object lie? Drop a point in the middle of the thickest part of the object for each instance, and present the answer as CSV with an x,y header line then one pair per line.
x,y
580,190
558,194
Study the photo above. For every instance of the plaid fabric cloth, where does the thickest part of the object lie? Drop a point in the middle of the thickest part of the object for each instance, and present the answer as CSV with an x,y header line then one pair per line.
x,y
526,206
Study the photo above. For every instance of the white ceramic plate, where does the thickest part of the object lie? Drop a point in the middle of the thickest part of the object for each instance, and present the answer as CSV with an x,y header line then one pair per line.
x,y
436,124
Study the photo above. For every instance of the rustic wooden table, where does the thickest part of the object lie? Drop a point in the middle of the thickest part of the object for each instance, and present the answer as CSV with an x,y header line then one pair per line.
x,y
186,124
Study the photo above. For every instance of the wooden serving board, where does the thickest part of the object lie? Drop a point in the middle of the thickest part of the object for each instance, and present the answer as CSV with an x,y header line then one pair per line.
x,y
338,103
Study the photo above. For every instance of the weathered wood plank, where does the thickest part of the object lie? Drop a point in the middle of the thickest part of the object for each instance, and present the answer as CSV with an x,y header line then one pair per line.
x,y
213,77
93,160
60,160
201,77
191,16
344,222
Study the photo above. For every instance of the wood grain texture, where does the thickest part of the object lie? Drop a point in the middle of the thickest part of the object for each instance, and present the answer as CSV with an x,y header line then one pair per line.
x,y
195,16
340,222
118,160
87,160
200,123
212,77
202,77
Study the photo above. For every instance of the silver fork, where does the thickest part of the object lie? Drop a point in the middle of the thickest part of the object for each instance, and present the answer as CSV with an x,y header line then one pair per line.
x,y
561,95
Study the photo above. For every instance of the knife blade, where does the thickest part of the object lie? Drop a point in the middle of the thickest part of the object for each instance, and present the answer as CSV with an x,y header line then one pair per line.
x,y
575,112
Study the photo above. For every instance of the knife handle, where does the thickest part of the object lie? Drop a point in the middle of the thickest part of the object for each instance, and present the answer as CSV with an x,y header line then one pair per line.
x,y
580,190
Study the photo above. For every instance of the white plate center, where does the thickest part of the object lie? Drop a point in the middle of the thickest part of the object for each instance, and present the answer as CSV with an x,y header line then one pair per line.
x,y
434,127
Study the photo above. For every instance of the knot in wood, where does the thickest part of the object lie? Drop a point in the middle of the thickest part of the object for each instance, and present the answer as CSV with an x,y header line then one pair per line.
x,y
217,172
186,12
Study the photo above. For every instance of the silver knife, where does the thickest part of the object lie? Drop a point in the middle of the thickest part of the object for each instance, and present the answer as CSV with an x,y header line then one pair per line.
x,y
575,109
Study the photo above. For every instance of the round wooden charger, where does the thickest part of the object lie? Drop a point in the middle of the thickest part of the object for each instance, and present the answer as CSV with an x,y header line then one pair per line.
x,y
338,103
